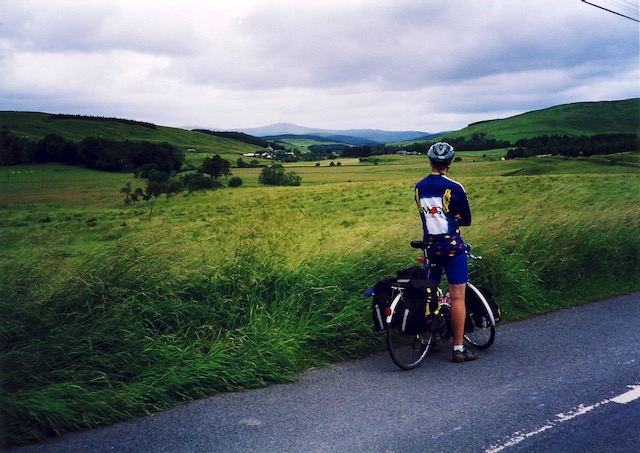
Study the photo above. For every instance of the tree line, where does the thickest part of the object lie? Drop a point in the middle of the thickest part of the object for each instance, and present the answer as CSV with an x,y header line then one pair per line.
x,y
206,177
92,152
161,164
563,145
62,116
555,144
477,142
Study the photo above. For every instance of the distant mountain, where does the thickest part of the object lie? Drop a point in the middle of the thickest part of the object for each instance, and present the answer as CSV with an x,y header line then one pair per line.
x,y
280,129
344,136
343,139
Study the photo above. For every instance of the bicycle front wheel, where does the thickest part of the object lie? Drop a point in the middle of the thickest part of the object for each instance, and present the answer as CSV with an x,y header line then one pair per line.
x,y
406,351
484,332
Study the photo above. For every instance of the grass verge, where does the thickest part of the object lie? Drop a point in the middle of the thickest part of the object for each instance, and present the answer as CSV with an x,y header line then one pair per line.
x,y
109,313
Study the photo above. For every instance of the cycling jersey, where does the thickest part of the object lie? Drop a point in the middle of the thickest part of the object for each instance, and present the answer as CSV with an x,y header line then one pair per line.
x,y
443,208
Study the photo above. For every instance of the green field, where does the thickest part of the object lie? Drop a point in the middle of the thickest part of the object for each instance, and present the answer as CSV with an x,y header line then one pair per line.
x,y
109,312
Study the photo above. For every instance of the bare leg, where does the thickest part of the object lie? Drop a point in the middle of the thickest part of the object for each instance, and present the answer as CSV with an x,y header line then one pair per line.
x,y
458,317
458,311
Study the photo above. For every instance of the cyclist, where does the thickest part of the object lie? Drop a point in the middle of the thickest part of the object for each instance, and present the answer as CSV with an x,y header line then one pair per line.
x,y
443,209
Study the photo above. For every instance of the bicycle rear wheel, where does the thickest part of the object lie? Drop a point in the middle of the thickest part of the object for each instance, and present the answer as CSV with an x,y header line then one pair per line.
x,y
406,351
484,332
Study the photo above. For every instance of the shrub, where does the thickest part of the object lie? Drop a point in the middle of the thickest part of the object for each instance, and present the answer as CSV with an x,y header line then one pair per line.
x,y
235,182
199,181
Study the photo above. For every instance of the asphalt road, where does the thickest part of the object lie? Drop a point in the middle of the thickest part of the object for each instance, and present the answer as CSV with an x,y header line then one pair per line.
x,y
567,381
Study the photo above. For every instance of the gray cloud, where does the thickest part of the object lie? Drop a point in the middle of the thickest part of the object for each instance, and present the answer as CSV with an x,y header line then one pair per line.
x,y
404,64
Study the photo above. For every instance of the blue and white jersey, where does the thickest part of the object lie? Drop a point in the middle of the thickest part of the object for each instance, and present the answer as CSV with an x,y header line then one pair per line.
x,y
443,208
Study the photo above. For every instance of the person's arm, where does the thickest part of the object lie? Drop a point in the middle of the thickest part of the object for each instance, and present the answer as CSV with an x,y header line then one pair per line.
x,y
464,211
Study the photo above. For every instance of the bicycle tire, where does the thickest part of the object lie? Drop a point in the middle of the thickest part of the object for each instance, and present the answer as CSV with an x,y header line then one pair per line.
x,y
484,332
406,351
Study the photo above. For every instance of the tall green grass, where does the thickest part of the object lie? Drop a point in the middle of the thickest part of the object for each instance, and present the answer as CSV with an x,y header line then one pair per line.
x,y
124,335
110,312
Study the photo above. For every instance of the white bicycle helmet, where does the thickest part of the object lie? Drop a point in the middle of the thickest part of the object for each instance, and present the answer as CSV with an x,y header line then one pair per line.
x,y
441,151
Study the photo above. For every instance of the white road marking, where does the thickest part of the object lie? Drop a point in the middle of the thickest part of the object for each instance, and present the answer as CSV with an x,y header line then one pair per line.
x,y
250,422
518,437
629,396
580,410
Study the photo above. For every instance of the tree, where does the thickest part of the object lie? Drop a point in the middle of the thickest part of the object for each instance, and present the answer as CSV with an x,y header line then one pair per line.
x,y
291,179
199,181
156,188
55,148
126,190
13,149
90,150
271,175
240,163
215,167
275,175
138,157
137,194
157,183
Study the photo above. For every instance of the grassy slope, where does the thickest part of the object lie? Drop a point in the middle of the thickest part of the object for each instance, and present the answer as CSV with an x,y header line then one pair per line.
x,y
37,125
584,118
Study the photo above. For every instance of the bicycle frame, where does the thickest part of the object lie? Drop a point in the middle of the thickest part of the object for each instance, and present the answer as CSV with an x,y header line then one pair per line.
x,y
399,288
467,250
408,350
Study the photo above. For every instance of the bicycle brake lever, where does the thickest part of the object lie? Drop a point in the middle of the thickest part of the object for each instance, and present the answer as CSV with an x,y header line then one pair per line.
x,y
470,254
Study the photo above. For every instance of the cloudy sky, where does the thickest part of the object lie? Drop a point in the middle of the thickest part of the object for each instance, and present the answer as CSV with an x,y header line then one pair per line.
x,y
427,65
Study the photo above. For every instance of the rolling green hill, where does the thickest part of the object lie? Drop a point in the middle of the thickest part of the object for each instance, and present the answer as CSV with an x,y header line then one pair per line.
x,y
582,118
35,126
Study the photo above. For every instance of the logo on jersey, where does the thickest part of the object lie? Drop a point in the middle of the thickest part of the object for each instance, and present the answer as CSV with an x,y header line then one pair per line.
x,y
446,200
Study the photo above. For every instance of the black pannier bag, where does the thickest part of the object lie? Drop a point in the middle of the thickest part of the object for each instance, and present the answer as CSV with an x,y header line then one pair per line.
x,y
417,279
469,320
495,308
475,308
433,298
411,312
382,294
419,301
